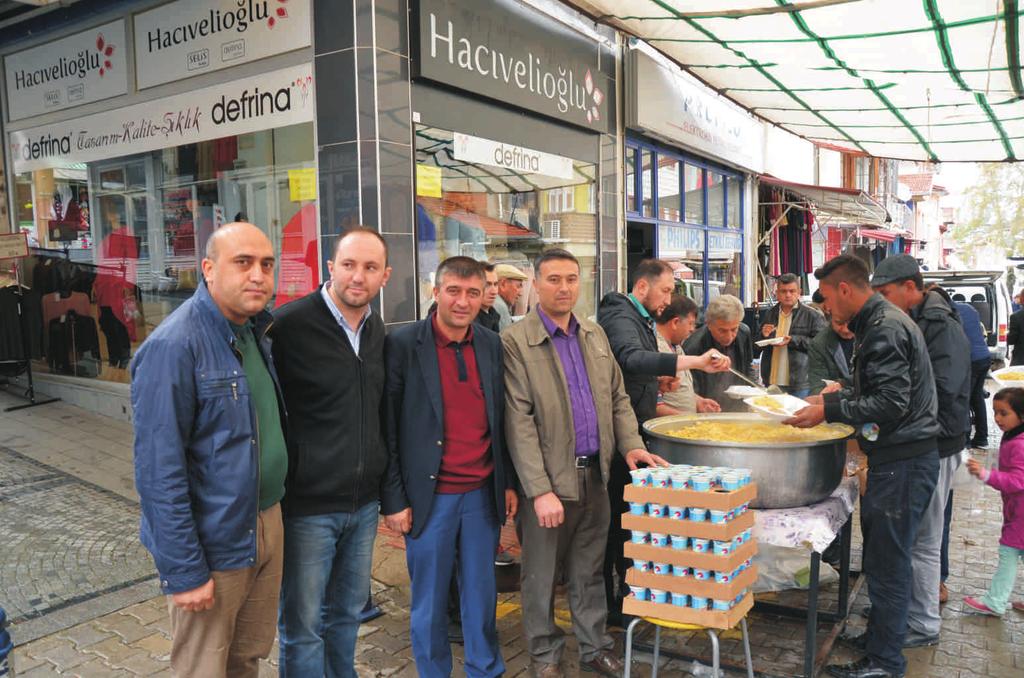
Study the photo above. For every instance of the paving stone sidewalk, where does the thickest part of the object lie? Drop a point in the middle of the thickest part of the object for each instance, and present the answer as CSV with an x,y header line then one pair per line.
x,y
118,636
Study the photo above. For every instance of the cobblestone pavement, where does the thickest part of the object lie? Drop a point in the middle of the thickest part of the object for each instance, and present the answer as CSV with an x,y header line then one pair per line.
x,y
65,540
130,637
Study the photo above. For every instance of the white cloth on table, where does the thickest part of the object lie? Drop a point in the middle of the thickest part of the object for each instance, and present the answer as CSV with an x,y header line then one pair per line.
x,y
813,526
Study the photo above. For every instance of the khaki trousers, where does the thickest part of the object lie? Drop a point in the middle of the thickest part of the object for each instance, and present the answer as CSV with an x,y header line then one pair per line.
x,y
229,639
573,550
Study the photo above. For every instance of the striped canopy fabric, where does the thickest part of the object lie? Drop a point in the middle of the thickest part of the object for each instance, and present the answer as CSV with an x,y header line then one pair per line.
x,y
936,80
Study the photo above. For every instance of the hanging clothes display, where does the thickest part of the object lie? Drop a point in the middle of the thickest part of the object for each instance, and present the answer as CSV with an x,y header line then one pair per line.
x,y
788,247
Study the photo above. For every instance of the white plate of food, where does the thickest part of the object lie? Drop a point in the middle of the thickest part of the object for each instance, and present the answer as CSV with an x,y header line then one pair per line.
x,y
774,341
778,407
1010,377
740,391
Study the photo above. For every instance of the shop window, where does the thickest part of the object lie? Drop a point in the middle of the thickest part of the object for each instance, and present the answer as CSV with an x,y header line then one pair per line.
x,y
120,241
668,189
501,215
725,264
647,183
716,199
693,187
734,186
631,179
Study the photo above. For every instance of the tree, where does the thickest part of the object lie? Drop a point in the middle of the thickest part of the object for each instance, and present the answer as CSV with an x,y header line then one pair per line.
x,y
993,213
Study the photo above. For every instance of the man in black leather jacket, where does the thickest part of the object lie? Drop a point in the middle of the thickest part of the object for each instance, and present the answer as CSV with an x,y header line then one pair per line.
x,y
893,408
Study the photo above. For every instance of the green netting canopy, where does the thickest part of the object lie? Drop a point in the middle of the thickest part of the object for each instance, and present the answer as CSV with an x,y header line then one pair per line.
x,y
911,79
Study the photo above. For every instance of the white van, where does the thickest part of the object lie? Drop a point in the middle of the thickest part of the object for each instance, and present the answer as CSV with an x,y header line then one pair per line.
x,y
986,292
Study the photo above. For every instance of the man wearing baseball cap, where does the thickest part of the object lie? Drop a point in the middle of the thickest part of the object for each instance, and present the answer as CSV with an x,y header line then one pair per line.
x,y
898,279
510,286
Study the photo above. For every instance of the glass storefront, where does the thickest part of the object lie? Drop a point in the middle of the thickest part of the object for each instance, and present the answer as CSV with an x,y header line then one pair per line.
x,y
117,243
501,215
695,211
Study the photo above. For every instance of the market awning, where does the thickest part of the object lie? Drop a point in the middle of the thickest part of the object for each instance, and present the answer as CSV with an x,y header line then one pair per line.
x,y
843,205
935,80
877,234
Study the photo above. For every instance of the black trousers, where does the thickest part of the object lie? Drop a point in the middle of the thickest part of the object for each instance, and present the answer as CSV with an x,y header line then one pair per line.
x,y
615,563
890,512
119,345
944,555
979,412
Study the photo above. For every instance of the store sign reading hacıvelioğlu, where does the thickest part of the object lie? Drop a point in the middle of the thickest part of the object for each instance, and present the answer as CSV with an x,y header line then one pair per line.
x,y
190,37
75,70
510,157
504,50
265,101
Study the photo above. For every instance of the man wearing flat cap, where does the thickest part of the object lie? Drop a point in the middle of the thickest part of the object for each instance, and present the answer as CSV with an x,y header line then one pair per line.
x,y
898,279
510,286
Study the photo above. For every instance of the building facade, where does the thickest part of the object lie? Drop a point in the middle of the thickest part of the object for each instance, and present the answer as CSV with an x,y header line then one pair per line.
x,y
134,129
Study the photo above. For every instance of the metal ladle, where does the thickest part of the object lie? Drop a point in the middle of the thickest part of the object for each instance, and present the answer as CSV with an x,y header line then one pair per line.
x,y
771,390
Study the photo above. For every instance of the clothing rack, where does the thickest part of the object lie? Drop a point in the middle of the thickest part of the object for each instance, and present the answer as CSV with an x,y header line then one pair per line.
x,y
30,391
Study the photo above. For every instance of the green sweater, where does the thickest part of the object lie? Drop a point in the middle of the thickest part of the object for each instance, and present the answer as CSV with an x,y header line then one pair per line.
x,y
273,451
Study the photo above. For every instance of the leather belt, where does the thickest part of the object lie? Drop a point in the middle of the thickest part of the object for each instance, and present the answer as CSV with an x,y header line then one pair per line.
x,y
588,461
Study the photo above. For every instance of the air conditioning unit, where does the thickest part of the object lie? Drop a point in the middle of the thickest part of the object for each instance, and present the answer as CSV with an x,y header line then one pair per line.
x,y
553,229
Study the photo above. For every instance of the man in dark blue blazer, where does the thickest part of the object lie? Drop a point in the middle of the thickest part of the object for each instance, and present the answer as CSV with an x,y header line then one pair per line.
x,y
449,482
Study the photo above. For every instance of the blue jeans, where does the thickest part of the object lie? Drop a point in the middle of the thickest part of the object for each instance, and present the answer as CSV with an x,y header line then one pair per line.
x,y
461,527
890,512
327,561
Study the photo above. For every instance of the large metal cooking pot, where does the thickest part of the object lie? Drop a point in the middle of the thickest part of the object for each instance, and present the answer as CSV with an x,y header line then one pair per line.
x,y
787,474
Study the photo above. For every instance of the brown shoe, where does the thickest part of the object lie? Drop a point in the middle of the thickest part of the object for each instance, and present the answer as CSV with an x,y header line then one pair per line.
x,y
943,593
605,663
542,670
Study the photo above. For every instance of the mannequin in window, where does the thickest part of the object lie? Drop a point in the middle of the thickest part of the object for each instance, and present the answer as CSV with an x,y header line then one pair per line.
x,y
114,287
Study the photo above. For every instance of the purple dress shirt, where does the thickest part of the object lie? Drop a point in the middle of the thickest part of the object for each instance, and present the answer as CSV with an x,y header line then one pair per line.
x,y
584,414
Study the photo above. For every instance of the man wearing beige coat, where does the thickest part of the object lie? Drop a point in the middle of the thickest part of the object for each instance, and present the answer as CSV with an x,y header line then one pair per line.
x,y
566,414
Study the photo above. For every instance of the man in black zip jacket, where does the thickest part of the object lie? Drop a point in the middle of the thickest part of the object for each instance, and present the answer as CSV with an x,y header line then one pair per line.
x,y
899,280
329,349
628,320
893,409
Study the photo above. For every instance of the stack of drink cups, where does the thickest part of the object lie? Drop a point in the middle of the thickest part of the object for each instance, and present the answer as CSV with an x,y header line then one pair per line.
x,y
699,479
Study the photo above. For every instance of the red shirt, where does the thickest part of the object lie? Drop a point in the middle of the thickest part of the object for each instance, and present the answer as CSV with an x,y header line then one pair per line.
x,y
466,461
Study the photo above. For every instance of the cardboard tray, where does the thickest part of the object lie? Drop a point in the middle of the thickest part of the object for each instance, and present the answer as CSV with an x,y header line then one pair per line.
x,y
688,528
687,558
719,500
689,585
685,615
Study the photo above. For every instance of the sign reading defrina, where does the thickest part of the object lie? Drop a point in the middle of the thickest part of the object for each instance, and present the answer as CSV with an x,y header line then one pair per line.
x,y
507,51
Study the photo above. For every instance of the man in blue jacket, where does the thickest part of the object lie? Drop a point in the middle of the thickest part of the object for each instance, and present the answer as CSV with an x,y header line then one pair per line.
x,y
981,361
210,460
449,483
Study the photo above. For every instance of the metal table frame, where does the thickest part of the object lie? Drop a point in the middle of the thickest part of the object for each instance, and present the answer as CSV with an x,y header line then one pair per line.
x,y
812,663
814,656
